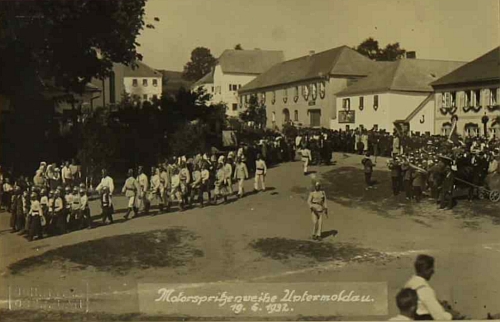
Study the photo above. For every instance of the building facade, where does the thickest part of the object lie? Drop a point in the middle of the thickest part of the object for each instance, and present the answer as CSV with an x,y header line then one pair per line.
x,y
234,69
303,91
141,82
470,96
399,91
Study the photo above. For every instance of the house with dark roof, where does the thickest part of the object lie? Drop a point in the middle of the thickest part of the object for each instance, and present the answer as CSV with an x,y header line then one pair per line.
x,y
141,82
399,91
471,96
172,82
207,84
234,69
303,91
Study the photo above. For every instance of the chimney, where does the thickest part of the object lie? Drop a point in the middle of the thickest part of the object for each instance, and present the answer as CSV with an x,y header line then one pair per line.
x,y
411,54
311,52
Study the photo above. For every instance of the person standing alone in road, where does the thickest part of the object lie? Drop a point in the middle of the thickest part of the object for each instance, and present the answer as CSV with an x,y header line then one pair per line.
x,y
260,173
317,204
368,169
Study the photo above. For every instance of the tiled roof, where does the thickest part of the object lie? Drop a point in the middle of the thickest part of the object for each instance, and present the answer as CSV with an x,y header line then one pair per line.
x,y
141,70
173,81
413,75
249,61
341,61
484,68
207,79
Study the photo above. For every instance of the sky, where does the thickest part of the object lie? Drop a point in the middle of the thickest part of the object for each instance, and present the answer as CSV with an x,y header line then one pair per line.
x,y
459,30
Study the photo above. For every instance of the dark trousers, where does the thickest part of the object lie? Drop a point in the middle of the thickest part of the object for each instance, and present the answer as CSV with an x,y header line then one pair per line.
x,y
368,178
395,185
196,192
61,223
13,220
20,221
107,213
35,228
424,317
86,219
446,199
417,192
408,188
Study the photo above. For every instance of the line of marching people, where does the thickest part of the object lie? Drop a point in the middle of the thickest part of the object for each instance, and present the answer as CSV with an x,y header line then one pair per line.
x,y
182,181
40,212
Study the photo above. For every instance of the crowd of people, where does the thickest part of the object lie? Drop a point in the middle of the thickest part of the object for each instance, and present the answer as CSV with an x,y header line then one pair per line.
x,y
56,200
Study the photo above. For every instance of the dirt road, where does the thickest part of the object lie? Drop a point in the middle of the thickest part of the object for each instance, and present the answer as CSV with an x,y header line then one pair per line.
x,y
264,237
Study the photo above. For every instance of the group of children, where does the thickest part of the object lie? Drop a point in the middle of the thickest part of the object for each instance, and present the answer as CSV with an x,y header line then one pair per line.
x,y
37,212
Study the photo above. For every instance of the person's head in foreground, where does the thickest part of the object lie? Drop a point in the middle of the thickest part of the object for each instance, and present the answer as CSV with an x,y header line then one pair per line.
x,y
407,301
424,266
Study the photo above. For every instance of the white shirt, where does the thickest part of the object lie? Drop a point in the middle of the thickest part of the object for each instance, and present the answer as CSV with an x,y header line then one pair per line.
x,y
66,174
106,182
400,317
427,301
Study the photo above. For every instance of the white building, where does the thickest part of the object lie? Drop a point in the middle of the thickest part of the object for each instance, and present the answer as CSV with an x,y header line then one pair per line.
x,y
142,82
400,91
234,69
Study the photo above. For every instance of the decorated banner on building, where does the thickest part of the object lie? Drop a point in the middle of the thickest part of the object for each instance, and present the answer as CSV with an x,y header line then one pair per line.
x,y
347,116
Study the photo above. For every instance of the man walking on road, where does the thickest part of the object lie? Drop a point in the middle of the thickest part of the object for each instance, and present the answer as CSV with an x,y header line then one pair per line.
x,y
429,308
317,204
260,173
305,154
240,174
130,190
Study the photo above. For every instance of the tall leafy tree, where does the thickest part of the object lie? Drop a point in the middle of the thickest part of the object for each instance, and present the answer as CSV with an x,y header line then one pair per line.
x,y
371,49
255,113
59,44
201,63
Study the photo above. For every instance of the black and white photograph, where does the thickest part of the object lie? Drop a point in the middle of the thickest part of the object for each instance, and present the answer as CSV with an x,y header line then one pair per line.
x,y
249,160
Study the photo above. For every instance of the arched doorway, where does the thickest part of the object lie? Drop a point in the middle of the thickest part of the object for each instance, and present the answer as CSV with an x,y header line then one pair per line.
x,y
286,116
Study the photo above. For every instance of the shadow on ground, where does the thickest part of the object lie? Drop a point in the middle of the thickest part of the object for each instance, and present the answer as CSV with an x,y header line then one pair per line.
x,y
346,186
120,254
283,249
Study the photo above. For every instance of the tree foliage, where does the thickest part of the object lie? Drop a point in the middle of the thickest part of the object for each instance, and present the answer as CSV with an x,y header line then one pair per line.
x,y
255,113
69,42
201,63
370,48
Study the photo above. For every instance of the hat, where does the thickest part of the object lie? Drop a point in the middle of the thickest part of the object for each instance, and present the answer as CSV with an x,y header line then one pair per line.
x,y
82,191
67,188
75,189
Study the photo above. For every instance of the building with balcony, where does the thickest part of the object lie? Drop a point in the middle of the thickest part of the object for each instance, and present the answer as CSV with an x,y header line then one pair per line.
x,y
303,91
234,69
470,95
400,91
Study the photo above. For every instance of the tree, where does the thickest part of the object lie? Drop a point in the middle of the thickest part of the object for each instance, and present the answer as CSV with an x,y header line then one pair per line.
x,y
255,113
238,47
63,44
53,40
370,48
201,63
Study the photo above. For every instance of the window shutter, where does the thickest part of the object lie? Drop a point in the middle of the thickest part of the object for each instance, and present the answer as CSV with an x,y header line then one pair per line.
x,y
439,100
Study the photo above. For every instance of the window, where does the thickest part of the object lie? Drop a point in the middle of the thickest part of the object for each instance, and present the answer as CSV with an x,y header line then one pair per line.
x,y
230,87
296,94
135,82
144,82
155,97
155,82
239,86
233,87
493,96
145,96
375,101
346,104
453,98
477,95
296,116
235,106
213,89
285,95
273,117
467,99
361,103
